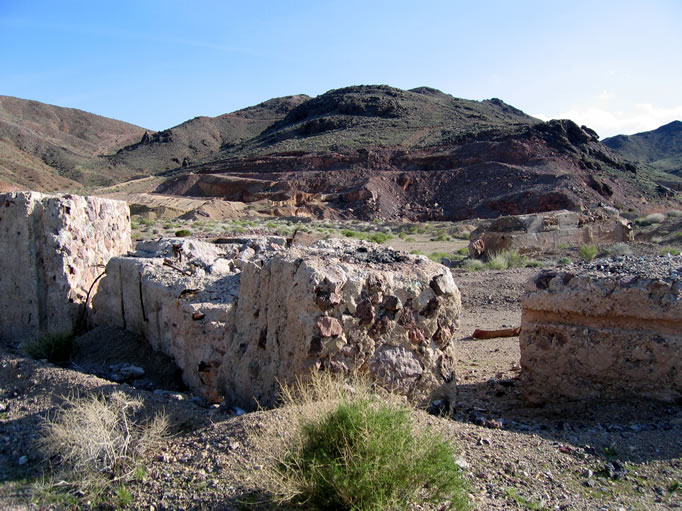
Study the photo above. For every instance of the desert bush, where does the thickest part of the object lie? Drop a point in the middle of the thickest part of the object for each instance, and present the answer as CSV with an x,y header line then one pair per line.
x,y
99,436
506,259
464,251
182,233
364,456
653,218
670,251
675,213
563,261
619,249
379,237
57,348
354,446
588,252
473,265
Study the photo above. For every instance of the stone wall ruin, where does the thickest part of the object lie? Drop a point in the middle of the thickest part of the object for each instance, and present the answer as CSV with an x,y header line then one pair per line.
x,y
238,318
607,329
52,248
545,231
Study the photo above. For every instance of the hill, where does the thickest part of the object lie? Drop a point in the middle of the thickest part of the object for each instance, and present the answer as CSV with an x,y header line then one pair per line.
x,y
377,151
202,137
47,147
369,151
659,150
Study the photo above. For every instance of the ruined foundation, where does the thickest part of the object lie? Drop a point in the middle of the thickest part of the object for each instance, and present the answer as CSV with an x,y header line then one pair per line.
x,y
608,329
239,318
52,248
547,231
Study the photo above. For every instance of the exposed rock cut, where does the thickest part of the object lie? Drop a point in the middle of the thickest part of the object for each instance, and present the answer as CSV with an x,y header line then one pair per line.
x,y
239,318
607,329
544,231
52,248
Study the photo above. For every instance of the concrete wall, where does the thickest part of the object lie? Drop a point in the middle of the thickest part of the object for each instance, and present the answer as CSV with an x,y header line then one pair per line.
x,y
608,329
238,319
52,248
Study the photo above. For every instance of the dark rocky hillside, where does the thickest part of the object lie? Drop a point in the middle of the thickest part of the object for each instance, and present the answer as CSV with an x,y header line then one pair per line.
x,y
659,151
357,152
202,137
46,147
376,151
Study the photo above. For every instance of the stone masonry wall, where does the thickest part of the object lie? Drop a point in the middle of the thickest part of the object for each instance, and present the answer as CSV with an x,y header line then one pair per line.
x,y
607,329
52,248
546,231
239,318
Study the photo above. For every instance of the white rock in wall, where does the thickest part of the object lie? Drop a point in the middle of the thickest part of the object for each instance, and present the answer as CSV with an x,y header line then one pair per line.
x,y
248,316
52,248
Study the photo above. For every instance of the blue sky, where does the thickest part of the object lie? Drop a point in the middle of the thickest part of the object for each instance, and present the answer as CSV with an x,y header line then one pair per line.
x,y
615,66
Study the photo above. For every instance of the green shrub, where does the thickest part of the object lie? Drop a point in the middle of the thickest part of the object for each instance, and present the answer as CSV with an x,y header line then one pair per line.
x,y
182,233
563,261
506,259
348,233
473,265
57,348
670,251
364,456
379,237
463,251
588,252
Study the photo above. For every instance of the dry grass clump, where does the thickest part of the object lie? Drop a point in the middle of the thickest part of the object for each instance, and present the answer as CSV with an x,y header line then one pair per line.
x,y
653,218
346,444
100,437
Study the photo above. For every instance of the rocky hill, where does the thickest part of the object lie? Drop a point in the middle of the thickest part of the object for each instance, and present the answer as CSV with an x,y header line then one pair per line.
x,y
46,147
659,150
202,137
376,151
357,152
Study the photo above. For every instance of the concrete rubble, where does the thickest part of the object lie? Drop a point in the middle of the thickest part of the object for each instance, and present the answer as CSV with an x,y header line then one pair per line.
x,y
52,248
606,329
545,231
239,317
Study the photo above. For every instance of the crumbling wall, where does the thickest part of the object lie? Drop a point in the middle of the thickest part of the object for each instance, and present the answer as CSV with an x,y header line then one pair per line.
x,y
545,231
607,329
239,318
52,248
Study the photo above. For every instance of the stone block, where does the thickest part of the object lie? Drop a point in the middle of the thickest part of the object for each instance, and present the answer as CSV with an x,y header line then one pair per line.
x,y
269,313
52,248
608,329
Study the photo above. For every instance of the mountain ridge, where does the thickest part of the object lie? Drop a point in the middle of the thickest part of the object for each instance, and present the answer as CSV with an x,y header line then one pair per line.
x,y
361,151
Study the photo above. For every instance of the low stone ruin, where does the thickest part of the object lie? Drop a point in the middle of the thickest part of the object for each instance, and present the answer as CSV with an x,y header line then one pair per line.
x,y
607,329
238,318
545,231
52,248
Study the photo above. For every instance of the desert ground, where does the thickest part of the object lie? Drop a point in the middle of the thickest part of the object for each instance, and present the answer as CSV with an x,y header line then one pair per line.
x,y
563,455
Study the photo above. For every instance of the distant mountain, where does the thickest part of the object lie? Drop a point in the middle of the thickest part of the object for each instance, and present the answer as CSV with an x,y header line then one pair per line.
x,y
376,151
363,151
660,149
49,147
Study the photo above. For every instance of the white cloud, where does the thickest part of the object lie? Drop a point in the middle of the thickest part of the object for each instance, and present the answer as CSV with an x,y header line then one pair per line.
x,y
608,122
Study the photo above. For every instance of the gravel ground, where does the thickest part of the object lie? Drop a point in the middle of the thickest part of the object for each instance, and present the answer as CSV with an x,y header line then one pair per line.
x,y
575,456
